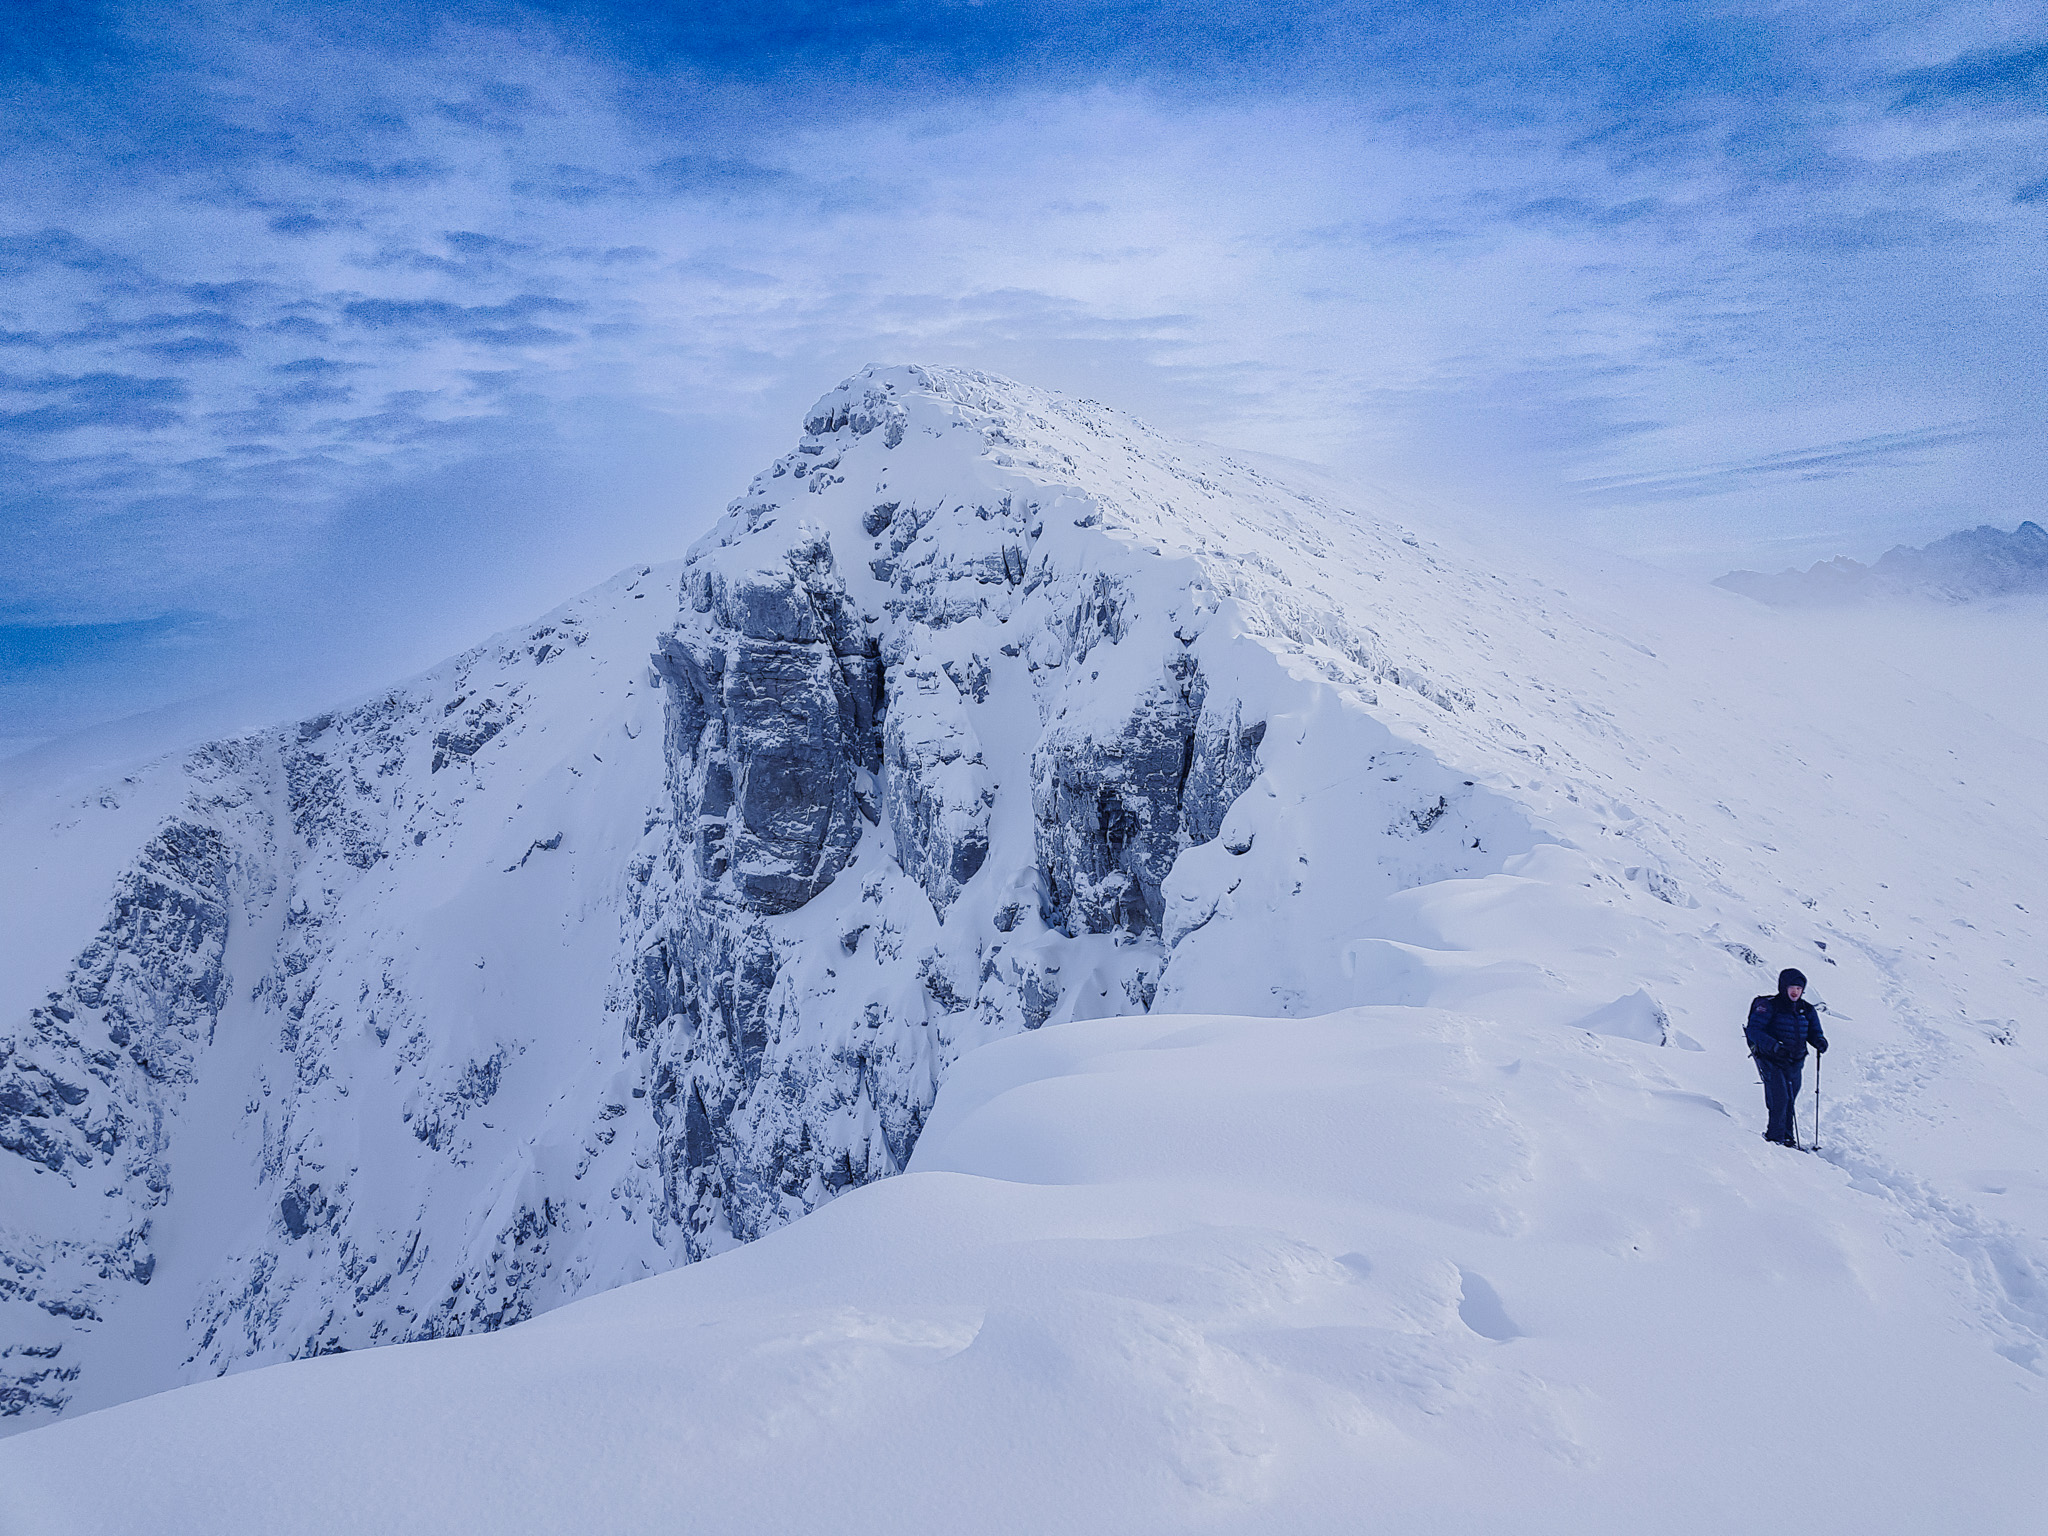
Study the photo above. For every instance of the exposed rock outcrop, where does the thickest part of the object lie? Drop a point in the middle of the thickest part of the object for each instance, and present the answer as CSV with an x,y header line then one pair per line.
x,y
775,689
940,726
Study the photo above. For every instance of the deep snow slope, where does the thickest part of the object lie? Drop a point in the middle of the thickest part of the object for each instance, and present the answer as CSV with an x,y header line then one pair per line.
x,y
984,711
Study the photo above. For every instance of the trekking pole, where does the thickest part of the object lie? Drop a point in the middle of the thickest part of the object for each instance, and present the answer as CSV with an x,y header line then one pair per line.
x,y
1818,1058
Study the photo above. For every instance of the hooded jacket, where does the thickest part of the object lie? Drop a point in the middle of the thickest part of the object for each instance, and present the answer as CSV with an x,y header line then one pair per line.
x,y
1780,1029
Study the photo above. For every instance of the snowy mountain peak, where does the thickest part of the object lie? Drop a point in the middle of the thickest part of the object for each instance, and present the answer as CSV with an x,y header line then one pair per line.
x,y
948,722
962,691
637,933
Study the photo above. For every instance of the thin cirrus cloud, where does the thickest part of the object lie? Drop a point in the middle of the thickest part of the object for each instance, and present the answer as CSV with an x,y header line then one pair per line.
x,y
301,303
1817,462
508,324
2013,77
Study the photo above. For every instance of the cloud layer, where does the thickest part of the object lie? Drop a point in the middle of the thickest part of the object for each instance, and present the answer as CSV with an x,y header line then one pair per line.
x,y
362,335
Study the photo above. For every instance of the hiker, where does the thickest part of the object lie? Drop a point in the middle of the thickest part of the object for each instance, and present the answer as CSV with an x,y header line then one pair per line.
x,y
1778,1031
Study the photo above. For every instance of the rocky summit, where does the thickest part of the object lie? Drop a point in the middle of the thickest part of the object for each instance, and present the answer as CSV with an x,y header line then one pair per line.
x,y
945,711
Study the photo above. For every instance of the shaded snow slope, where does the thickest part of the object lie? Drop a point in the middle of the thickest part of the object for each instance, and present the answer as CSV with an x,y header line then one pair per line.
x,y
986,710
1386,1270
330,1047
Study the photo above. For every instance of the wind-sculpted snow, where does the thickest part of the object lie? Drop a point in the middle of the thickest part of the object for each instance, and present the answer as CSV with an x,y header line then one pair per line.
x,y
640,932
1389,1270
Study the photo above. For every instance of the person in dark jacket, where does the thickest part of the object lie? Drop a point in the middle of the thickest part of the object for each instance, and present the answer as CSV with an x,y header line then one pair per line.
x,y
1779,1031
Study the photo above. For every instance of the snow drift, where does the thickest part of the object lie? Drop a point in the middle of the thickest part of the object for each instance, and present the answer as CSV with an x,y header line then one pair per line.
x,y
1391,1269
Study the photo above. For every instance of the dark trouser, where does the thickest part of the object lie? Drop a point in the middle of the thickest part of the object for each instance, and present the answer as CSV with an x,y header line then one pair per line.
x,y
1781,1087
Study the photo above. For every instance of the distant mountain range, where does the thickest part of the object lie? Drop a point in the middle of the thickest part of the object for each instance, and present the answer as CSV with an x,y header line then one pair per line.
x,y
1975,563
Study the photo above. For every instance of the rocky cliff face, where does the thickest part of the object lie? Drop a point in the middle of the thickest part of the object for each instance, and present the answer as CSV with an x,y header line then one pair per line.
x,y
305,1089
947,702
981,710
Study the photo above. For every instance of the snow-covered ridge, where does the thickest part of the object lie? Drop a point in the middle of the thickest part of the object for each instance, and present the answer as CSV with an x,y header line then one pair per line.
x,y
982,710
1388,1270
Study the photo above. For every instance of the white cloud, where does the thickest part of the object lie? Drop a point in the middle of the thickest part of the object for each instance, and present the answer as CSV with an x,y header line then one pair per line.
x,y
364,270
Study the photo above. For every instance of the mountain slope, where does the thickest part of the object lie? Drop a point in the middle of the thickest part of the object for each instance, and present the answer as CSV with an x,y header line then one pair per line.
x,y
985,711
329,1052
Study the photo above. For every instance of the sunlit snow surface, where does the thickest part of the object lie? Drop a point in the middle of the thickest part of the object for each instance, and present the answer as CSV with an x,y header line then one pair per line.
x,y
1493,1243
1391,1269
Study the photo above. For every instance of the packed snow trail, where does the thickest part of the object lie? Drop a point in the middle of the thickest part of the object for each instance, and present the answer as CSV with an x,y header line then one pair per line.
x,y
1391,1270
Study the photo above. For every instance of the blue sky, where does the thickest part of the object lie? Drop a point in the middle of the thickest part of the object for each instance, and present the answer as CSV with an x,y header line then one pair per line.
x,y
331,339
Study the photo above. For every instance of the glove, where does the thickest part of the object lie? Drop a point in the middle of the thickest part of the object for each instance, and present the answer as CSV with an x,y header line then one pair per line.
x,y
1820,1047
